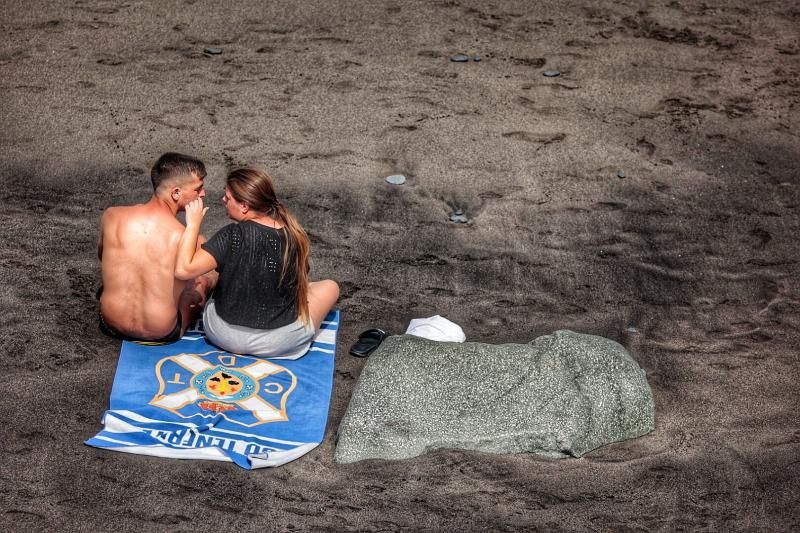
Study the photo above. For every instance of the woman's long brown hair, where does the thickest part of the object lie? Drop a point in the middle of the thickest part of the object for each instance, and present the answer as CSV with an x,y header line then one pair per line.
x,y
253,186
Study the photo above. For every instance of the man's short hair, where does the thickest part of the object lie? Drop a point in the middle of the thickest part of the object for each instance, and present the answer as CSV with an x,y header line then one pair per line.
x,y
174,165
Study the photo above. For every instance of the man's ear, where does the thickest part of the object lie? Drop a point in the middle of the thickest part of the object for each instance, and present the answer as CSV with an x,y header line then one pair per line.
x,y
175,193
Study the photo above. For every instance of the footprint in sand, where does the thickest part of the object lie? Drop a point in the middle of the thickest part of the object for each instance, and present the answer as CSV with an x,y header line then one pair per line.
x,y
542,139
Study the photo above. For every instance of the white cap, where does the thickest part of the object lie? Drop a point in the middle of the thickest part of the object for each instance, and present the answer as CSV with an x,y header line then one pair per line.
x,y
436,328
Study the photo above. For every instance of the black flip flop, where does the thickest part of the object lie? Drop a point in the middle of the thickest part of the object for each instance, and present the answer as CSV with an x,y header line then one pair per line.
x,y
367,342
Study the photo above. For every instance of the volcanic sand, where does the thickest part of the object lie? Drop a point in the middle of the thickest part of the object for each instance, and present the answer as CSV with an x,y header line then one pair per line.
x,y
649,194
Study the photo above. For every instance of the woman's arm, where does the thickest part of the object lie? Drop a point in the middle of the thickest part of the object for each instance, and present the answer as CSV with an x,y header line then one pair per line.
x,y
193,261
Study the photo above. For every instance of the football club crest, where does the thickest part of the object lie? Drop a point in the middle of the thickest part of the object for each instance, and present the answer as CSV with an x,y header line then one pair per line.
x,y
242,389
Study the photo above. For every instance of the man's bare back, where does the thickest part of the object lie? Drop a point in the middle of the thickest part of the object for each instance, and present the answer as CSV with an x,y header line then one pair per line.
x,y
140,293
141,297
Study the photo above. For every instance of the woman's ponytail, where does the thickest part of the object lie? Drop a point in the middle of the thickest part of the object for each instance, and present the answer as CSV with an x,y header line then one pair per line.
x,y
297,251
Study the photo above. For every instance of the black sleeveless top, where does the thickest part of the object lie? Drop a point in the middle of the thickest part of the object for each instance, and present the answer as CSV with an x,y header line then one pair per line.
x,y
249,261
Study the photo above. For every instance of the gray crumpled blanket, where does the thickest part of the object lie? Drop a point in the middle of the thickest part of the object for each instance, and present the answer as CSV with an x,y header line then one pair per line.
x,y
563,394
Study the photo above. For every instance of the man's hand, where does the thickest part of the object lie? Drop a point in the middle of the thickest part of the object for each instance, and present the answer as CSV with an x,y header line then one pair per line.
x,y
195,213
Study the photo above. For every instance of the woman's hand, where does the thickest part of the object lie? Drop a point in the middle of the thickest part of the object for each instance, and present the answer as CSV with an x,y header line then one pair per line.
x,y
195,213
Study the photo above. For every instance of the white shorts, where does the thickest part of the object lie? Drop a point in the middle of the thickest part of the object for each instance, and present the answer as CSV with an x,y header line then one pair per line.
x,y
288,342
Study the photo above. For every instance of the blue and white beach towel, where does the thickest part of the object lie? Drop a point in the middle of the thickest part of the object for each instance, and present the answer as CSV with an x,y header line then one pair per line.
x,y
191,400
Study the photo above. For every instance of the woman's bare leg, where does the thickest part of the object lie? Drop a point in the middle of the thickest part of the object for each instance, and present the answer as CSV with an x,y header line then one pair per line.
x,y
322,296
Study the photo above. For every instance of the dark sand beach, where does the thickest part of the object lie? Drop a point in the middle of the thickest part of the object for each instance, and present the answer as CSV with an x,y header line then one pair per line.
x,y
648,194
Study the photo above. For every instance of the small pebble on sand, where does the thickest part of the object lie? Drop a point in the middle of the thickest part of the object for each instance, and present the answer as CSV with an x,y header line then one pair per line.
x,y
459,58
213,51
396,179
458,217
620,174
476,58
551,73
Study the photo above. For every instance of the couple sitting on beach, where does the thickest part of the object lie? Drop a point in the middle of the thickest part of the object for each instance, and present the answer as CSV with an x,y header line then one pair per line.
x,y
250,280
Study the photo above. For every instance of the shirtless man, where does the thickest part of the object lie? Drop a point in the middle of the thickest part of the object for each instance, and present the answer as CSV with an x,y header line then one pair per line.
x,y
141,299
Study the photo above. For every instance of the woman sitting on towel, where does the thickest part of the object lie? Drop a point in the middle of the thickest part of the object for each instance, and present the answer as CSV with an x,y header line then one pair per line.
x,y
264,303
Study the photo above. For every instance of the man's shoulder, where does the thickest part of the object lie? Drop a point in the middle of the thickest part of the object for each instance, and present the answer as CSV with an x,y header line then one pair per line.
x,y
140,213
112,214
122,210
170,228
